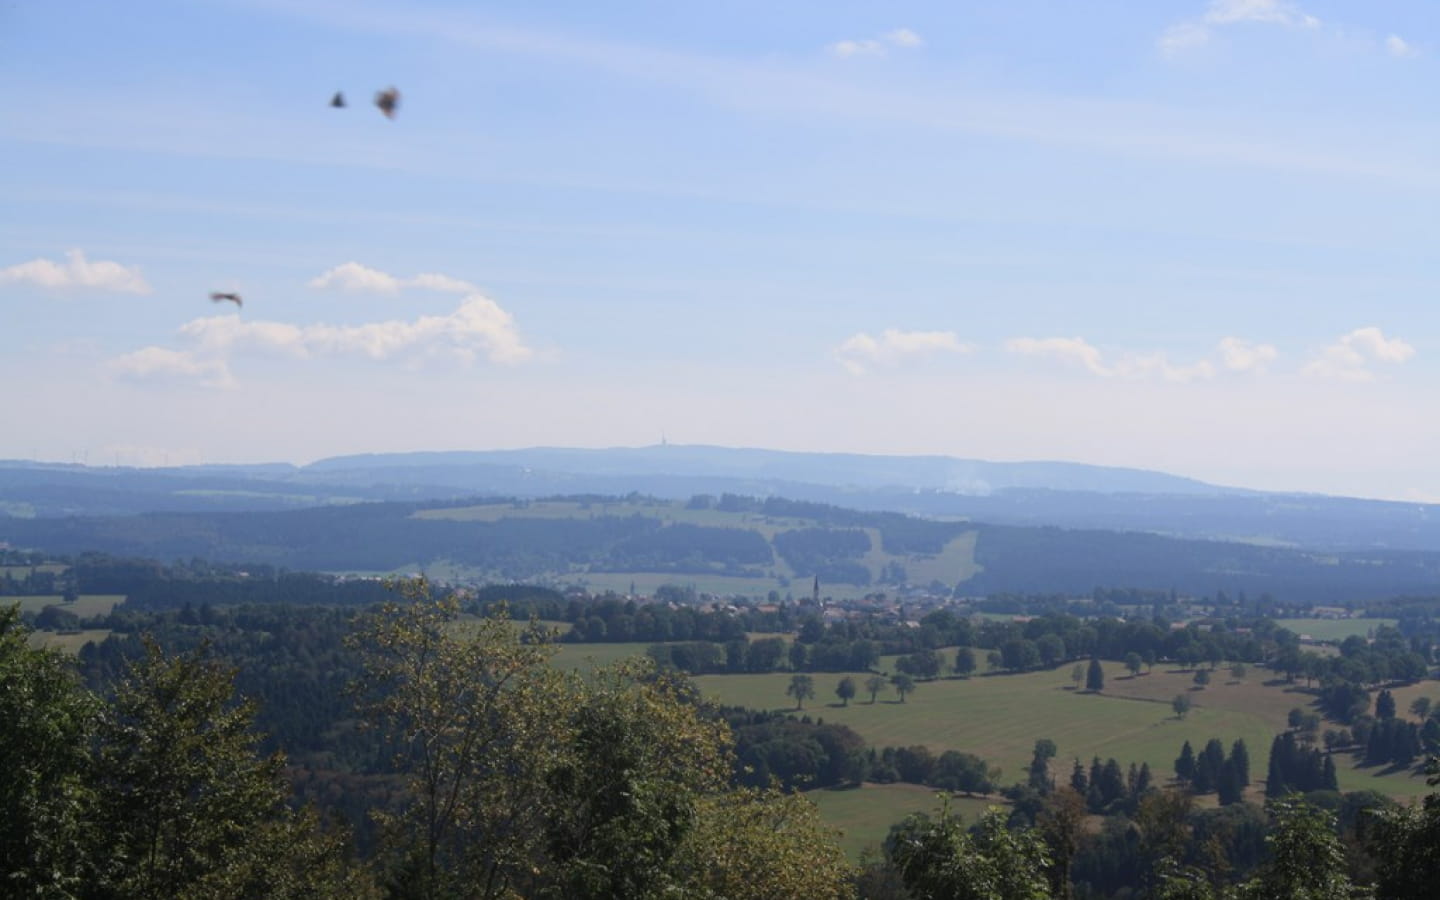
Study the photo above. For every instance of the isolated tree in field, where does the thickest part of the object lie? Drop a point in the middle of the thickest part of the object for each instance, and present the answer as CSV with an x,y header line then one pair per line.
x,y
1202,677
875,684
1181,704
1077,675
1134,663
903,683
1420,708
802,688
845,690
1385,705
964,662
1238,670
1095,676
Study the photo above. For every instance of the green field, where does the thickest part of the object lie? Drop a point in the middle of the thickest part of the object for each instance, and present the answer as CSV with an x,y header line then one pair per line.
x,y
85,606
864,814
1000,717
1334,629
68,643
955,563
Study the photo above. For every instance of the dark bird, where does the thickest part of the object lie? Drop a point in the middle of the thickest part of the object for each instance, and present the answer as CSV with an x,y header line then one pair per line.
x,y
338,101
388,100
233,298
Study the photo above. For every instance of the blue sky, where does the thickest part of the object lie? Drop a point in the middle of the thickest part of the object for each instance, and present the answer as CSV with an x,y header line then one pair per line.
x,y
1193,236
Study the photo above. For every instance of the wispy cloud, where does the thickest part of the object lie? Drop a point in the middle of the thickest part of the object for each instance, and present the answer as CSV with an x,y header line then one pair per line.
x,y
1350,357
1223,13
1077,352
1395,45
163,364
478,329
1240,355
352,277
861,351
900,38
77,273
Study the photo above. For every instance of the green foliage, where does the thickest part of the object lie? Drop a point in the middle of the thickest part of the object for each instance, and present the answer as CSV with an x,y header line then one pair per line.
x,y
802,688
845,690
1095,676
479,719
940,859
45,796
186,806
762,844
1307,860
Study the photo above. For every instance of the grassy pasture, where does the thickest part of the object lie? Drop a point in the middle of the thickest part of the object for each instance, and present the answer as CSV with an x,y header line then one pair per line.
x,y
864,814
85,606
1000,717
954,563
18,572
68,643
1334,629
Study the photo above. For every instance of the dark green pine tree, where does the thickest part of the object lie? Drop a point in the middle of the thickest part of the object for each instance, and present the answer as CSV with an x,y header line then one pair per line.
x,y
1078,781
1095,676
1276,784
1185,763
1385,705
1330,781
1240,758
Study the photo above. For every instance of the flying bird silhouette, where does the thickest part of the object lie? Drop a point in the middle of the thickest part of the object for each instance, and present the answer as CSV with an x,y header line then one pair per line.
x,y
217,297
388,100
338,101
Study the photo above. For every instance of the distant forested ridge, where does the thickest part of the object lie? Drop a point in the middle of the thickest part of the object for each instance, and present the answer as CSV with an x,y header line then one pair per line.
x,y
769,539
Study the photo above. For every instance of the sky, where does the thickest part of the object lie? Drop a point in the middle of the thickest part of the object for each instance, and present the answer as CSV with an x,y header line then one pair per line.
x,y
1197,236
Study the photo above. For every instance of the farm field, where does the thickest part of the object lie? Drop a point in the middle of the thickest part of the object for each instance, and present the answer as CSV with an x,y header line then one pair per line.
x,y
1334,629
1000,717
85,606
68,643
864,814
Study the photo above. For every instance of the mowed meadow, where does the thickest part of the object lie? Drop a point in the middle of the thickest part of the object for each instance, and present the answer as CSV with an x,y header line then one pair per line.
x,y
999,717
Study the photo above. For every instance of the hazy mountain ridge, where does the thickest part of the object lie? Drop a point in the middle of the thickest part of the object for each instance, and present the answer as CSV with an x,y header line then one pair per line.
x,y
1070,495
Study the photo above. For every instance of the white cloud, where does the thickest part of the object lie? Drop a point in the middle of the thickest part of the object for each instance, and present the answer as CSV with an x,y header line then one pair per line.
x,y
160,363
903,37
77,272
1222,13
859,351
353,277
476,329
900,38
1239,355
1272,12
1079,352
1348,358
1395,45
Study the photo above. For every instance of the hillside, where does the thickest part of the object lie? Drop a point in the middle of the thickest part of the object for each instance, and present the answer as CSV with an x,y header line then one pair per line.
x,y
1067,495
755,545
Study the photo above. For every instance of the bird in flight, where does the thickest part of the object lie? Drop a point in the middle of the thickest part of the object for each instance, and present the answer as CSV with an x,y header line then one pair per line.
x,y
338,101
217,296
388,100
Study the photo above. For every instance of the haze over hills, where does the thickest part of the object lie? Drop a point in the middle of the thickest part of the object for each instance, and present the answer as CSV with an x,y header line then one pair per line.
x,y
1071,495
